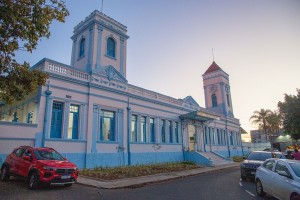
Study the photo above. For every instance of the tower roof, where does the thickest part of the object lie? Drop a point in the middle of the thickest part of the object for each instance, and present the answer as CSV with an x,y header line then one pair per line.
x,y
213,67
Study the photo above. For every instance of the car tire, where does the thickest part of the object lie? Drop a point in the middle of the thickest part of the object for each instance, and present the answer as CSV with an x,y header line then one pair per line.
x,y
33,181
4,173
295,197
259,188
243,178
68,185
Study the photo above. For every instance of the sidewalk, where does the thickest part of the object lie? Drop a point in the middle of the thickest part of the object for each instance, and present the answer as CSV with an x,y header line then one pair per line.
x,y
138,181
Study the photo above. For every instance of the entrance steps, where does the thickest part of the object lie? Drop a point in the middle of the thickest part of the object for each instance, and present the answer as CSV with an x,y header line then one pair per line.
x,y
215,158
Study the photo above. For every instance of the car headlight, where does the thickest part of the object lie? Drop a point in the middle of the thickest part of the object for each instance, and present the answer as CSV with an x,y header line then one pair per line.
x,y
48,168
243,165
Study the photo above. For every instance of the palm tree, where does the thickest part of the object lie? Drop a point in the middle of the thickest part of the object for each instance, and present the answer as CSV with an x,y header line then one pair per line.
x,y
260,118
274,122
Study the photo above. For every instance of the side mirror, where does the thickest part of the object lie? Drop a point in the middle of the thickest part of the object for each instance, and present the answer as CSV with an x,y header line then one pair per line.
x,y
27,158
65,159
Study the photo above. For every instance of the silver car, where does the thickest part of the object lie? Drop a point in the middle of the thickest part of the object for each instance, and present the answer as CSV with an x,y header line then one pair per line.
x,y
279,178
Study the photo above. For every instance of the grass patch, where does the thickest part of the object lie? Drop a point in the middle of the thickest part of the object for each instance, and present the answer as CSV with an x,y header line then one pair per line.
x,y
137,170
237,158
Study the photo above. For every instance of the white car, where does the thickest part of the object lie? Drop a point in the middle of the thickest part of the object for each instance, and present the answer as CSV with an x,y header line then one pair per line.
x,y
279,178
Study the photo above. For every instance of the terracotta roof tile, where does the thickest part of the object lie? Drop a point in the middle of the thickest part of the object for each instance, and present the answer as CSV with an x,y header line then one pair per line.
x,y
213,67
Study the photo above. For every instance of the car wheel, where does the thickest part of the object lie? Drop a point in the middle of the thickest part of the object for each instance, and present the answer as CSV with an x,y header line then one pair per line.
x,y
4,173
259,188
243,178
68,185
295,197
33,181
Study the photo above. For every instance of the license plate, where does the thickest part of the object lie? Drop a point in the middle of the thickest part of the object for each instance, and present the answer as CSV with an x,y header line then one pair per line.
x,y
65,177
252,172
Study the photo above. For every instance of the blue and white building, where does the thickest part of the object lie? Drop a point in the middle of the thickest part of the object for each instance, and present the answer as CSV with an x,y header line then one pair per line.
x,y
90,113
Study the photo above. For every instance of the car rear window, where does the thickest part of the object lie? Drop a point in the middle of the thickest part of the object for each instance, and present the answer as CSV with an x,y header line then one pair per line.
x,y
47,155
259,156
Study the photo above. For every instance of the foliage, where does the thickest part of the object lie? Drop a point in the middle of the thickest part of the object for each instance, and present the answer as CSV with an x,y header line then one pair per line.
x,y
22,24
237,158
290,111
260,118
137,170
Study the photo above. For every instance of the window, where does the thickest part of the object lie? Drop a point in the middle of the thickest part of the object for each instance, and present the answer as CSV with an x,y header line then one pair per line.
x,y
82,47
134,128
170,132
176,133
143,129
219,137
163,133
281,167
152,130
228,99
205,135
19,152
107,126
214,100
212,136
269,164
57,119
111,47
231,138
73,122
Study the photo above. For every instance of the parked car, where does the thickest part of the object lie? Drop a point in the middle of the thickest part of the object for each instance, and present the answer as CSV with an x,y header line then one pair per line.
x,y
254,160
279,178
39,165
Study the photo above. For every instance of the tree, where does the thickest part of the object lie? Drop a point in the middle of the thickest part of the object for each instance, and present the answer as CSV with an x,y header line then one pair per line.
x,y
290,111
260,118
274,122
22,24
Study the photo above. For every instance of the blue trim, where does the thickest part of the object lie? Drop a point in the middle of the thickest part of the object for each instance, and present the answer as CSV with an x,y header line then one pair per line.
x,y
18,124
17,139
38,139
156,157
65,140
107,142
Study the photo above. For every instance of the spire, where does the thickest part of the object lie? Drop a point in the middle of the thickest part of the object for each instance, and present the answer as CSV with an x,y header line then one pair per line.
x,y
213,67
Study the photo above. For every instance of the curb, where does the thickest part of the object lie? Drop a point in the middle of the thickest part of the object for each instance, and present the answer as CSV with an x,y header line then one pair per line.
x,y
150,179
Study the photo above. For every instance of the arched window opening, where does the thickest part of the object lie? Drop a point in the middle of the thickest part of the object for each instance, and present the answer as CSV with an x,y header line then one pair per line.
x,y
111,47
81,47
214,100
228,99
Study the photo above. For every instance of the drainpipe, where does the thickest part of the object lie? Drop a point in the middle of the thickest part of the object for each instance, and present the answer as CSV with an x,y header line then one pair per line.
x,y
128,133
228,146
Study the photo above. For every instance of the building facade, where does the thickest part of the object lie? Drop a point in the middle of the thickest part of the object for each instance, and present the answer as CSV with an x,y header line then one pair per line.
x,y
91,114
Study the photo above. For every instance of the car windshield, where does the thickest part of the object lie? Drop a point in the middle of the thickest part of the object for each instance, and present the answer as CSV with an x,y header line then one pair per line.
x,y
296,168
47,155
259,156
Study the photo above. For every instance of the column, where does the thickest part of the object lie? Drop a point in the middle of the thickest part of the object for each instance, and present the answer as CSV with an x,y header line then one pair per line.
x,y
96,127
73,57
122,56
157,130
82,124
99,46
90,47
47,116
120,125
66,120
138,131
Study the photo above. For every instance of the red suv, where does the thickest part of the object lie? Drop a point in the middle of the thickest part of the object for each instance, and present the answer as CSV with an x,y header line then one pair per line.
x,y
39,165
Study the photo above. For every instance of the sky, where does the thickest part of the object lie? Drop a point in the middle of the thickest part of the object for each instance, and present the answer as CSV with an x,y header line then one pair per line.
x,y
256,42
